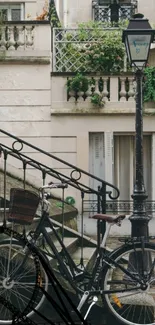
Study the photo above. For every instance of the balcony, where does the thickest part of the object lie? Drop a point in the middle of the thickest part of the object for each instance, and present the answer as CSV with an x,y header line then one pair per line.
x,y
85,51
25,41
112,12
117,91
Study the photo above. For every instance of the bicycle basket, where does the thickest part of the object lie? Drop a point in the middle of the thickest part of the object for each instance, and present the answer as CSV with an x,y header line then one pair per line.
x,y
23,206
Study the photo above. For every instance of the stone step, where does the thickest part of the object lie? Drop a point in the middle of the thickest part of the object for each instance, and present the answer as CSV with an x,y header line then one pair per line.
x,y
50,233
69,232
70,244
88,256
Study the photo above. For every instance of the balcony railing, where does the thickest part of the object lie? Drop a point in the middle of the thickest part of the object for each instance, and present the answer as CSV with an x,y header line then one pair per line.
x,y
111,88
117,92
113,12
25,35
117,206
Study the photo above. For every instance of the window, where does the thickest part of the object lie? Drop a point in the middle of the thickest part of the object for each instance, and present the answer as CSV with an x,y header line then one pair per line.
x,y
113,10
124,165
13,12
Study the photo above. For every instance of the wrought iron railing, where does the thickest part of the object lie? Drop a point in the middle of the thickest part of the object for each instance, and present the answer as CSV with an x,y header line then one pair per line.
x,y
113,13
22,153
116,206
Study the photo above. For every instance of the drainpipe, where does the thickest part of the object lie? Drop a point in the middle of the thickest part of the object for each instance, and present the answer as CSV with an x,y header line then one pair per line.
x,y
57,8
65,12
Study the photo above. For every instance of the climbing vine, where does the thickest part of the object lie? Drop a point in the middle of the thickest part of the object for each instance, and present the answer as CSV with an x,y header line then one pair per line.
x,y
53,16
149,84
2,33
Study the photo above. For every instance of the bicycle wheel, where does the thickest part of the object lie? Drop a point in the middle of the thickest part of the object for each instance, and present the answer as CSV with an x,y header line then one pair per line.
x,y
20,284
129,284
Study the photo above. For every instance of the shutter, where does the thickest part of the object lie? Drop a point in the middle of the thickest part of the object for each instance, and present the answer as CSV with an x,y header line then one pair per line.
x,y
153,166
123,165
97,157
147,165
16,14
109,157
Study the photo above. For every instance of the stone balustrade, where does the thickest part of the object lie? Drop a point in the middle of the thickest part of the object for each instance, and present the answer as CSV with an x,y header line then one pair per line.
x,y
17,37
127,88
117,92
111,88
23,37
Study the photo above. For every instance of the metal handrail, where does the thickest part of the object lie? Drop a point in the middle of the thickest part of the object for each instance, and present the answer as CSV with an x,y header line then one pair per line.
x,y
74,181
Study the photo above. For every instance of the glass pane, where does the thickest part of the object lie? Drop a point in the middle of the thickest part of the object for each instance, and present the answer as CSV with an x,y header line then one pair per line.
x,y
103,2
3,14
139,46
123,165
15,14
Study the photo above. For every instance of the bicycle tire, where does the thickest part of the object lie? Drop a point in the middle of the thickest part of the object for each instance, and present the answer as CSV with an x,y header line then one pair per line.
x,y
137,306
19,289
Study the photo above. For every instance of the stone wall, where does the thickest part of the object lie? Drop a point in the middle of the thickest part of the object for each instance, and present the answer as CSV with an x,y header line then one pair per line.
x,y
148,9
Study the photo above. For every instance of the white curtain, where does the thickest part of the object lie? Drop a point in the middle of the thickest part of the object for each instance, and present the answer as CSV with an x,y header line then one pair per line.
x,y
124,164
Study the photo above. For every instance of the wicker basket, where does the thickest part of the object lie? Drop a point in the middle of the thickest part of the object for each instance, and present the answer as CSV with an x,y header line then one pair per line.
x,y
23,206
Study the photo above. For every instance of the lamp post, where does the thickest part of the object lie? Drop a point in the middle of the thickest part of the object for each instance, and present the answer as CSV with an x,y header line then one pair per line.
x,y
138,38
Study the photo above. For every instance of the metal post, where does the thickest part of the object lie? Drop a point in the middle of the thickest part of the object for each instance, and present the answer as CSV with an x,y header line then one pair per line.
x,y
139,219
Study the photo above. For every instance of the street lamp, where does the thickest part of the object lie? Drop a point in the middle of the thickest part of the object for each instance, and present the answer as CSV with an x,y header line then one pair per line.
x,y
138,38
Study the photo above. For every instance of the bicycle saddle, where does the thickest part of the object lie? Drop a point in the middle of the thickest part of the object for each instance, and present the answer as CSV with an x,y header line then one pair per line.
x,y
109,218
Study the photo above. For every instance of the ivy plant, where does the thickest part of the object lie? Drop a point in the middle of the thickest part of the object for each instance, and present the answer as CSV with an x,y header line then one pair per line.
x,y
97,100
78,83
53,16
149,84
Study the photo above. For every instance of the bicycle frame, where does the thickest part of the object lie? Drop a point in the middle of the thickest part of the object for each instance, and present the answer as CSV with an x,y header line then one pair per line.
x,y
69,269
69,272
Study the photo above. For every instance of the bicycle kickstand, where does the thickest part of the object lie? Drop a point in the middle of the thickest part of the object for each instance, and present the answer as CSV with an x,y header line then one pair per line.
x,y
95,299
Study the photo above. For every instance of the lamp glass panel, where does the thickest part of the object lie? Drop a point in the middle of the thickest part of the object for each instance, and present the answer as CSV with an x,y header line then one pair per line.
x,y
139,46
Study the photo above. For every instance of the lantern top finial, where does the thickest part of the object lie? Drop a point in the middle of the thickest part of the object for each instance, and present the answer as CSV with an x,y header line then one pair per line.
x,y
138,16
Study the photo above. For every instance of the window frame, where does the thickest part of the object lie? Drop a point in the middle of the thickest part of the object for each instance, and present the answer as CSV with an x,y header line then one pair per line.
x,y
10,6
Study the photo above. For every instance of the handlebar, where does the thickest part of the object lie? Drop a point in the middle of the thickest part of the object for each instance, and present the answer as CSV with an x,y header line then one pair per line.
x,y
55,185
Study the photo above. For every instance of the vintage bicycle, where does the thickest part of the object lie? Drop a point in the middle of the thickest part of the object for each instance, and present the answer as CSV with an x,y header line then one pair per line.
x,y
123,278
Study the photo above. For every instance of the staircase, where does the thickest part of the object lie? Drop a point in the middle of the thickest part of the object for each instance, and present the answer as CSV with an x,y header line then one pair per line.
x,y
19,170
83,255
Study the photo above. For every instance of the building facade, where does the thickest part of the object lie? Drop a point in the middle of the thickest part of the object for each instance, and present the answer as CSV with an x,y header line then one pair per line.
x,y
36,107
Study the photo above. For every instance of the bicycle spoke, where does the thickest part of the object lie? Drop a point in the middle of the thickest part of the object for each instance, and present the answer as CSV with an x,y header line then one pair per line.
x,y
18,281
130,272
